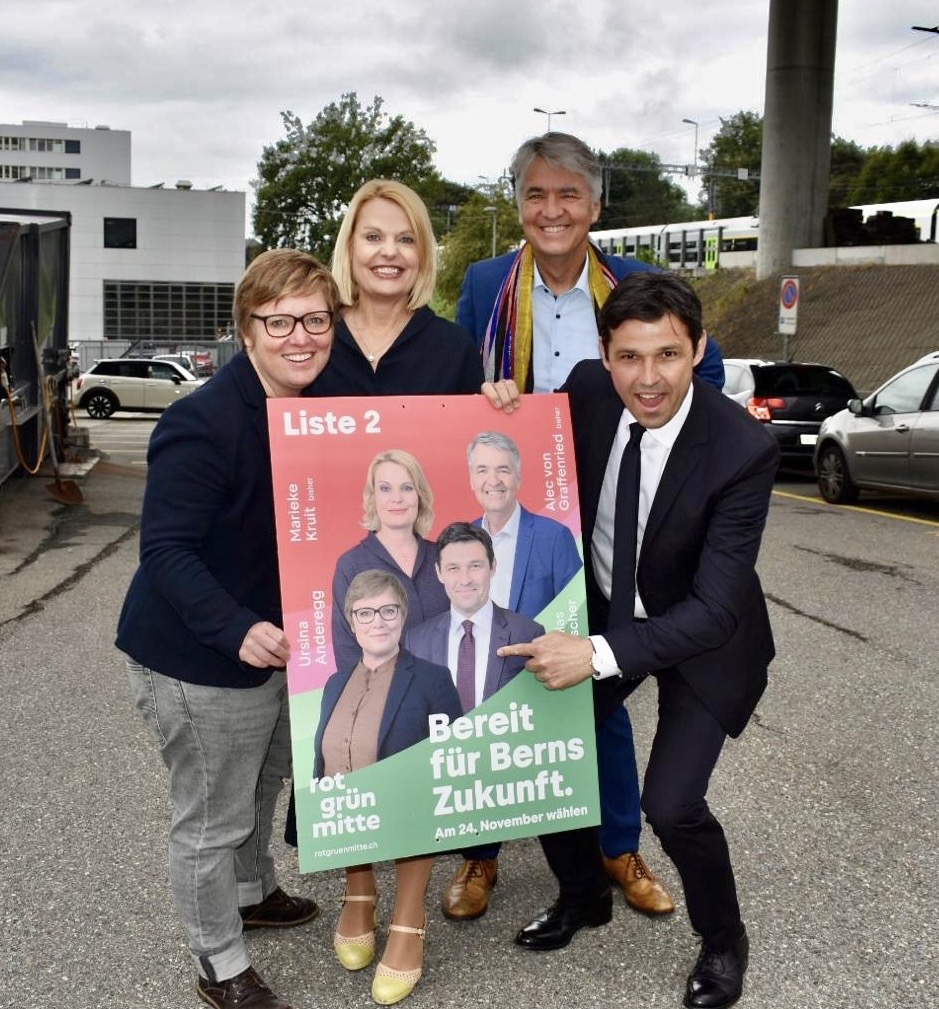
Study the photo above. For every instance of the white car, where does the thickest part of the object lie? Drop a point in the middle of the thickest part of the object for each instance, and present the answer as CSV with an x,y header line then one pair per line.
x,y
888,441
133,383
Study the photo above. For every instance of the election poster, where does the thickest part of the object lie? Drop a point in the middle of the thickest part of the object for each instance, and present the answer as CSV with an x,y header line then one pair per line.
x,y
522,761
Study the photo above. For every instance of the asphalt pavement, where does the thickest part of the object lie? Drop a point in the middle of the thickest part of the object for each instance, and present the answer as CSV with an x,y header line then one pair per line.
x,y
829,798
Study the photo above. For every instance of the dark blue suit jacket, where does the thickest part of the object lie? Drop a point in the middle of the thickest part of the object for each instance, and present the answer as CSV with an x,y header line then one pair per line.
x,y
208,550
696,572
546,559
429,640
481,288
418,689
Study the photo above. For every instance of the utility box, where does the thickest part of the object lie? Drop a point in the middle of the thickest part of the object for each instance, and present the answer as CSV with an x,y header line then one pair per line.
x,y
34,270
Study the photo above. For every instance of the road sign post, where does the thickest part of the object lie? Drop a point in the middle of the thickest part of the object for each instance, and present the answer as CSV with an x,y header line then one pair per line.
x,y
788,311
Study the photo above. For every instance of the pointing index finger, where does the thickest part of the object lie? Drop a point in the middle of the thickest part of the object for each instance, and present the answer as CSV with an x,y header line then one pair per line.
x,y
524,648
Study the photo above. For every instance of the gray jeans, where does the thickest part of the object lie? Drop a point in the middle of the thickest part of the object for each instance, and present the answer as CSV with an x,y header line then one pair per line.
x,y
228,752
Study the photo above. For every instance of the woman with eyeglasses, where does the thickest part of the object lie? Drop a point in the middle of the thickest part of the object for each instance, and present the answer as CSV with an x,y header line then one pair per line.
x,y
373,707
202,625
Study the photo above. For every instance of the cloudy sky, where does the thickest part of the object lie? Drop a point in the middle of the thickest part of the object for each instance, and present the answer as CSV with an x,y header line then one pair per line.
x,y
201,84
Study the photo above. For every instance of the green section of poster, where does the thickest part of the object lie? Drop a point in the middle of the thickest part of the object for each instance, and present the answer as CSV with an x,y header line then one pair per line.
x,y
520,763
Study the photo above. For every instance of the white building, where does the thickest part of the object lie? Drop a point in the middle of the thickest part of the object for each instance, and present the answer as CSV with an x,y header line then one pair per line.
x,y
57,152
145,263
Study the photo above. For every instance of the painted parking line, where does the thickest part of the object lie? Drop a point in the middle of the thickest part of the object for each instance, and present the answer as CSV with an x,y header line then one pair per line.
x,y
857,508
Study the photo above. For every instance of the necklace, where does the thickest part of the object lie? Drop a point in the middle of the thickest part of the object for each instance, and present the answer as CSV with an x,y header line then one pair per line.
x,y
372,354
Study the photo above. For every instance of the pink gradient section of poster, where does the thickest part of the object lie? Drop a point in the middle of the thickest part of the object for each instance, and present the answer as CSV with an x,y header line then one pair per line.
x,y
321,451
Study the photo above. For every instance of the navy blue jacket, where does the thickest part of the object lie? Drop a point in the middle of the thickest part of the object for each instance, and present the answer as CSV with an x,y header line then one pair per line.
x,y
418,689
431,355
208,550
484,279
696,571
431,640
546,559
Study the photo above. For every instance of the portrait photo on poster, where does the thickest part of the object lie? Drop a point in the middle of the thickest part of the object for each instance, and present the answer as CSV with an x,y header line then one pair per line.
x,y
416,537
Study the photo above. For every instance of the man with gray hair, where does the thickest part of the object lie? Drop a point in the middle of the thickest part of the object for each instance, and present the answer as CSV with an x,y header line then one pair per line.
x,y
533,314
536,555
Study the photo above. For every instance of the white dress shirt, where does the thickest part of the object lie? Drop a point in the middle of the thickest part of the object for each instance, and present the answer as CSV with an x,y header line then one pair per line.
x,y
482,635
564,330
654,448
504,545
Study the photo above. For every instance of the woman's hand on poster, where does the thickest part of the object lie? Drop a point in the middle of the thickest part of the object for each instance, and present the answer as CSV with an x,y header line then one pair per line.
x,y
558,660
264,645
503,395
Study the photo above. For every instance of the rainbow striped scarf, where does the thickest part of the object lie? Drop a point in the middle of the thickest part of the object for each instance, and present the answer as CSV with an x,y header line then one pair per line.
x,y
507,343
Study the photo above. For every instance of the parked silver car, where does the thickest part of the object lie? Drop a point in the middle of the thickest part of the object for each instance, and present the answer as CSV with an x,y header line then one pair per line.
x,y
888,441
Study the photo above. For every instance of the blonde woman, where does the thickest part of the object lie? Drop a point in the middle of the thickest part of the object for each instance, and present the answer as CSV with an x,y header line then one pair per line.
x,y
398,512
388,341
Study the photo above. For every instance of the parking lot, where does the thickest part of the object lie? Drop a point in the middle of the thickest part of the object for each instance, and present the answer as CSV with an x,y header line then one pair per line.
x,y
828,799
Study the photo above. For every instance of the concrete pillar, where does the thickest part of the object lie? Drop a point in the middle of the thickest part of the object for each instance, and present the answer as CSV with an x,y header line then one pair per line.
x,y
800,68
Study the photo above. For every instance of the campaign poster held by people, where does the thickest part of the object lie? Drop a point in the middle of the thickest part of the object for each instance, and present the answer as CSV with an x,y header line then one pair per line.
x,y
419,772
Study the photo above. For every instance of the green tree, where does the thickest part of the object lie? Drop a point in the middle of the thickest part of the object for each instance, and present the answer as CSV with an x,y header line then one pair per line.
x,y
471,240
847,161
909,171
305,181
443,199
637,192
737,144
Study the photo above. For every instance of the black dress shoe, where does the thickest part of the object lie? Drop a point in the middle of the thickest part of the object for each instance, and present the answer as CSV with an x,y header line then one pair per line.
x,y
555,928
717,978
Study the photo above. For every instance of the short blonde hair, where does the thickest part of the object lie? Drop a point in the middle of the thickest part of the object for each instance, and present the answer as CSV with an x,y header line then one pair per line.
x,y
281,273
425,497
418,219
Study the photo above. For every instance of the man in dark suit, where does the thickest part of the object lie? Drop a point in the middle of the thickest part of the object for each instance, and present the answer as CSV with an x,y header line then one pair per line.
x,y
673,473
466,639
534,314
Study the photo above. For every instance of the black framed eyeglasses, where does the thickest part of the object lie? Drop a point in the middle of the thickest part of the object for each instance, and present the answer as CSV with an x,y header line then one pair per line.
x,y
280,326
366,614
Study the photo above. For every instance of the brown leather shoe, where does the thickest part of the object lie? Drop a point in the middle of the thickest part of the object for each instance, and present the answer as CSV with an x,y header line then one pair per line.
x,y
467,896
244,991
643,892
278,910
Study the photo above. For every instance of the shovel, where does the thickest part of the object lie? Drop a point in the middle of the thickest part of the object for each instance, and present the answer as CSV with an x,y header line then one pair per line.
x,y
65,491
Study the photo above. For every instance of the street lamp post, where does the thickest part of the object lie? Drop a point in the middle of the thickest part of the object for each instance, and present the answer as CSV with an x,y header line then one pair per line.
x,y
554,112
495,216
693,122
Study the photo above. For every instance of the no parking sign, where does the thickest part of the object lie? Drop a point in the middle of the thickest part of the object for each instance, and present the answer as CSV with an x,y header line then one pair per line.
x,y
788,305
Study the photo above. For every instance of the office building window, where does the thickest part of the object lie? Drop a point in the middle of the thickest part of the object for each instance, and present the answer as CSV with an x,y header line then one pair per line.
x,y
143,310
73,173
46,146
73,147
120,232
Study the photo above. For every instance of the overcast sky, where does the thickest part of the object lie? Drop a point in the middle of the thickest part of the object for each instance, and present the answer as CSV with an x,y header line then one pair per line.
x,y
201,84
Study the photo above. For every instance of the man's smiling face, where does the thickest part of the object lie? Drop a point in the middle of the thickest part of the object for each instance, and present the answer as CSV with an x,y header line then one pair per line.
x,y
557,211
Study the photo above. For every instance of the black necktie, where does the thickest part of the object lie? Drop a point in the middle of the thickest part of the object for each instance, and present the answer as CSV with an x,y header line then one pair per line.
x,y
623,593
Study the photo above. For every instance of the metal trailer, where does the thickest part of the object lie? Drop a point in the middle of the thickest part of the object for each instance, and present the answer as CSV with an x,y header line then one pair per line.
x,y
34,272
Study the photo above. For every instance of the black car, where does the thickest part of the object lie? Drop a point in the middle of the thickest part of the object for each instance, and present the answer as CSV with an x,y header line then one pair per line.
x,y
793,398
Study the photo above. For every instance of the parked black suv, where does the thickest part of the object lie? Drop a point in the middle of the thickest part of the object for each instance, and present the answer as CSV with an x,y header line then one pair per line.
x,y
791,397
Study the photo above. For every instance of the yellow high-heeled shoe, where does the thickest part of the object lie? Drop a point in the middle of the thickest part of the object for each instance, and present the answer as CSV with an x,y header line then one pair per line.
x,y
356,951
389,985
